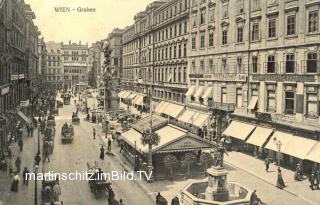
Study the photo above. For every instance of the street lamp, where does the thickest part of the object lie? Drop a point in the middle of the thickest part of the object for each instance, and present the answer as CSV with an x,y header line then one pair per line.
x,y
278,143
36,169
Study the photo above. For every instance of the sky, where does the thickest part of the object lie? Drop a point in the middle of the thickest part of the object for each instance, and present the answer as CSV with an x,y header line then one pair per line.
x,y
85,27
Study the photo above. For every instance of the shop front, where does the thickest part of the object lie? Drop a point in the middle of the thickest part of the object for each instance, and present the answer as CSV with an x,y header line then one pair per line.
x,y
177,155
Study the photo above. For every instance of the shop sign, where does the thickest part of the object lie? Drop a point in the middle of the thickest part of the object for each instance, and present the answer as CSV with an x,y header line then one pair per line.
x,y
283,77
226,77
185,143
14,77
5,90
196,75
21,76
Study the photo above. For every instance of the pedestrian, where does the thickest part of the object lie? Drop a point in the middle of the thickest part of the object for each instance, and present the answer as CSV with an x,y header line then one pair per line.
x,y
15,183
32,129
25,176
111,196
312,180
267,163
280,182
20,143
37,159
56,192
94,133
109,144
121,202
18,164
175,201
121,146
317,179
102,152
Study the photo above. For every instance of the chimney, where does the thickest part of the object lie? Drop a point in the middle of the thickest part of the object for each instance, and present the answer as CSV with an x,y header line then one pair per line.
x,y
69,42
79,42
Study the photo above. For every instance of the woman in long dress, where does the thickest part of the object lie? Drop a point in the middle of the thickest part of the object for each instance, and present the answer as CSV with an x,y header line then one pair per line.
x,y
15,183
102,153
280,182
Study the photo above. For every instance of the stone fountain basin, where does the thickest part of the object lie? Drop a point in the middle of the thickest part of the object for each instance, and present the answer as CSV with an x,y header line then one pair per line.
x,y
194,193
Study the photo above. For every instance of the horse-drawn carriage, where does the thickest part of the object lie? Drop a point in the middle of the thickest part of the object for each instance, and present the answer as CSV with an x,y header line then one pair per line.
x,y
50,192
67,133
48,140
98,183
75,119
59,104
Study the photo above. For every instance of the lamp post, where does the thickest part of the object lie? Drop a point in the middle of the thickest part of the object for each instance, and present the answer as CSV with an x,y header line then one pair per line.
x,y
278,144
36,168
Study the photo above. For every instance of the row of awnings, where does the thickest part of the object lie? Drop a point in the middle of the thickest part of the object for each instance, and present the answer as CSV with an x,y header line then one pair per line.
x,y
170,109
200,92
292,145
195,118
137,99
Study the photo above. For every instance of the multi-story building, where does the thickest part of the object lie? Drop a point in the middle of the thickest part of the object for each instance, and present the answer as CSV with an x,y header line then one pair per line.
x,y
32,35
42,63
263,58
53,72
75,64
155,51
18,62
95,64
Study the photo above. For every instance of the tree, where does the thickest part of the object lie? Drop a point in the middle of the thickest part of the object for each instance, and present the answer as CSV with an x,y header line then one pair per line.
x,y
151,139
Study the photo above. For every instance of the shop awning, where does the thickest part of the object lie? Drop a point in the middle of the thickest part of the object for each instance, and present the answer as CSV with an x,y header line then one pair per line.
x,y
314,154
199,92
24,117
132,96
200,119
133,138
253,103
187,116
121,93
162,106
159,106
292,145
173,110
138,100
125,95
239,130
191,90
208,93
259,136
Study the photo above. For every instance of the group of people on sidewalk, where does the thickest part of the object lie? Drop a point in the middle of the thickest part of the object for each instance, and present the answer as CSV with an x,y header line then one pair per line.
x,y
160,200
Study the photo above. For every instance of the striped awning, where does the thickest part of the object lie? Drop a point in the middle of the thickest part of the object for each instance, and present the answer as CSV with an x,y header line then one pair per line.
x,y
190,91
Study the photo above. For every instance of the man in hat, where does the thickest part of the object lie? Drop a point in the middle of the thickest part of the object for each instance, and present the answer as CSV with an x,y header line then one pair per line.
x,y
25,176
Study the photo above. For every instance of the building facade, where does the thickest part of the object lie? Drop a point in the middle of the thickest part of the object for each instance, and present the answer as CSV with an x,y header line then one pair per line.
x,y
53,72
155,51
75,64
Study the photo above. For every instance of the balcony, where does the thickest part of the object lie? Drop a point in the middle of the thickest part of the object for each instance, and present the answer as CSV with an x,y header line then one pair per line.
x,y
228,107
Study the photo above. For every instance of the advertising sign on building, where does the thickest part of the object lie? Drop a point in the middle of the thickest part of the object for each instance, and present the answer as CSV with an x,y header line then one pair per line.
x,y
14,77
5,90
225,77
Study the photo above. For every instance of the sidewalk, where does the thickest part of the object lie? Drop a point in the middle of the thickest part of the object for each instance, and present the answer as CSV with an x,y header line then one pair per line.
x,y
256,167
25,194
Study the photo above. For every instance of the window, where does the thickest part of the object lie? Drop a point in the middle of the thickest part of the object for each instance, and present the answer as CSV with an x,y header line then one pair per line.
x,y
255,31
271,100
210,66
289,100
290,63
225,11
211,37
271,64
202,16
184,50
223,95
223,65
312,63
201,70
272,26
239,65
312,102
240,35
180,29
202,39
193,42
224,37
179,52
240,6
193,67
291,25
239,98
313,22
185,27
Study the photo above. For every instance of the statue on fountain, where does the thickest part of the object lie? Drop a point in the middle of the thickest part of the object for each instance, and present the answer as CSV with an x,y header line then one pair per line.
x,y
218,155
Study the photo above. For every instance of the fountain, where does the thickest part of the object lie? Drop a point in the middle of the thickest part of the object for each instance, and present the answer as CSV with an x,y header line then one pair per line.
x,y
216,190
